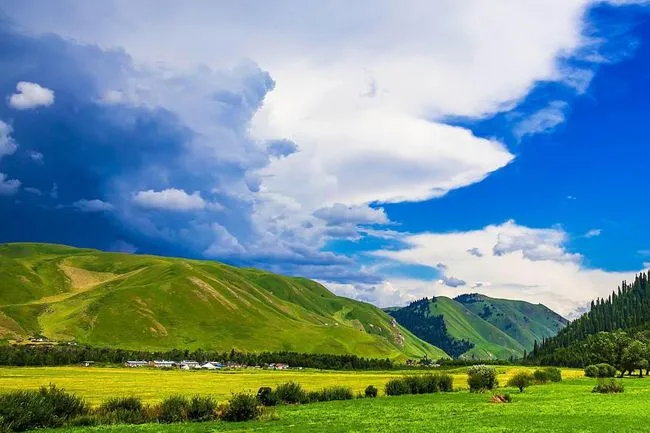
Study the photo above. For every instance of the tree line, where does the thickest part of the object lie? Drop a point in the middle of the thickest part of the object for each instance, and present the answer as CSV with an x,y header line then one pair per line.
x,y
62,354
627,309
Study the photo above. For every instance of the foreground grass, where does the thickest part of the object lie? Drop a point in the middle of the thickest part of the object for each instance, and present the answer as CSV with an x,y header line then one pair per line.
x,y
98,384
565,407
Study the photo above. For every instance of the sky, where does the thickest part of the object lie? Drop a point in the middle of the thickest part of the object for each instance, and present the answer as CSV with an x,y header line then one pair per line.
x,y
390,150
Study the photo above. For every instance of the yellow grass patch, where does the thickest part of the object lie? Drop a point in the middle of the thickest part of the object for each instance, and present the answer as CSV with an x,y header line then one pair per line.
x,y
97,384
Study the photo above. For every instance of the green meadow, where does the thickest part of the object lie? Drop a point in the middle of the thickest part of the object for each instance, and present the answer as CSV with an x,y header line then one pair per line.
x,y
569,406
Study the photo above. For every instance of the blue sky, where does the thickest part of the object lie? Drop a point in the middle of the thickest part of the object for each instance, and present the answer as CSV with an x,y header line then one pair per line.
x,y
497,148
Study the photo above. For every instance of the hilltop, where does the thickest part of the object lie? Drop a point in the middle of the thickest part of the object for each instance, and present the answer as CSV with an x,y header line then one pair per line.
x,y
156,303
477,326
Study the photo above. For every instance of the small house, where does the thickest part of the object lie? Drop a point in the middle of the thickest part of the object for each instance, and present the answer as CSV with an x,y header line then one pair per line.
x,y
164,364
133,364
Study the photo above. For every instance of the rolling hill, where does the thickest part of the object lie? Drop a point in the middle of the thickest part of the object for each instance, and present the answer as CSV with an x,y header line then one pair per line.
x,y
155,303
477,326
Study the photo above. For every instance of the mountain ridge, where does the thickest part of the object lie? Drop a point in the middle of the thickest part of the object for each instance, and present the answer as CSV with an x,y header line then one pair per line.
x,y
151,302
477,326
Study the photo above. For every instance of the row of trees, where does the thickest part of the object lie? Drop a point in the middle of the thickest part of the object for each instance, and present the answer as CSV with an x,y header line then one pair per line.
x,y
17,355
627,308
626,351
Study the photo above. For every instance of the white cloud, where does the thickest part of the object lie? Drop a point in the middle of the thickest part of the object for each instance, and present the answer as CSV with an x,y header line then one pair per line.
x,y
33,190
31,95
7,144
340,214
169,199
94,205
36,156
8,186
542,121
593,233
363,103
532,264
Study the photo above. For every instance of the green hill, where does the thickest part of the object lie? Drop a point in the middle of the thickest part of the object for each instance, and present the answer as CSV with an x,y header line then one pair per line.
x,y
523,321
476,326
149,303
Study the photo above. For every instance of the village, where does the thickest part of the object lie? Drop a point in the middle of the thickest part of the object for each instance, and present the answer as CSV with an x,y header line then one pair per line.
x,y
195,365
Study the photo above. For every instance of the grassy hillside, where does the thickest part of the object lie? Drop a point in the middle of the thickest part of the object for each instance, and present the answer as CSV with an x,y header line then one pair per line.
x,y
496,328
523,321
147,302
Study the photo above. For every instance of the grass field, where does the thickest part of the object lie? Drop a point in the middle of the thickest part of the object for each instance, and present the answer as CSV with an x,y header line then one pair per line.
x,y
557,408
97,384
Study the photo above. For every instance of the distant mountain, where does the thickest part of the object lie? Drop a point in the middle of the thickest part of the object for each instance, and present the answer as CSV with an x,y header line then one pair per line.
x,y
150,303
477,326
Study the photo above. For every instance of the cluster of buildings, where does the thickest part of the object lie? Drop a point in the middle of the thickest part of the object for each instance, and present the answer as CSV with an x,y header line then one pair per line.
x,y
195,365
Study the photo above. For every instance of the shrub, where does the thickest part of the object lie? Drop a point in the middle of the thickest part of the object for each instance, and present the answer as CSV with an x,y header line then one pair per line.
x,y
554,374
396,387
291,392
266,396
242,407
541,376
47,407
370,392
446,383
424,384
122,410
606,370
85,421
591,371
521,380
174,409
608,386
201,408
600,370
482,378
331,394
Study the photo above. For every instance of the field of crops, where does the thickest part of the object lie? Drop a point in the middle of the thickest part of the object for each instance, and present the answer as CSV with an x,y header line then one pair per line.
x,y
556,408
97,384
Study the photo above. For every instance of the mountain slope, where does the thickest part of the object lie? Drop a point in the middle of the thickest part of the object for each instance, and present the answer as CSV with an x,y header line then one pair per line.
x,y
523,321
147,302
476,326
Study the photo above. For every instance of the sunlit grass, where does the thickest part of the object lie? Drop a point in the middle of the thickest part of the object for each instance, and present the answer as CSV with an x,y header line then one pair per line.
x,y
97,384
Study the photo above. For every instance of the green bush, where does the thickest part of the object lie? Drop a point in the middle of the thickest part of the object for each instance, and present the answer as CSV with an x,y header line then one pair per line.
x,y
47,407
591,371
174,409
266,396
423,384
554,374
608,386
446,383
482,378
606,370
85,421
541,376
201,408
600,370
397,387
521,380
331,394
122,410
242,407
290,392
370,392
